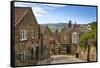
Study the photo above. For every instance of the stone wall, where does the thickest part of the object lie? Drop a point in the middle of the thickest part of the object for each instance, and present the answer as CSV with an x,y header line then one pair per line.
x,y
92,55
28,23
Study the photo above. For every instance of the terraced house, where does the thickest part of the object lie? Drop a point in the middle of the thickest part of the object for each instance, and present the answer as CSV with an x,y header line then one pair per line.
x,y
65,41
26,37
45,46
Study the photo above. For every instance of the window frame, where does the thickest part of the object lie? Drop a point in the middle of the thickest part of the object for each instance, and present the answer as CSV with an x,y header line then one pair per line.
x,y
33,34
23,35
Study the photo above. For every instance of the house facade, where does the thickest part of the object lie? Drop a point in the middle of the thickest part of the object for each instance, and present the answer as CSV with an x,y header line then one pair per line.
x,y
45,48
75,35
54,42
26,37
65,41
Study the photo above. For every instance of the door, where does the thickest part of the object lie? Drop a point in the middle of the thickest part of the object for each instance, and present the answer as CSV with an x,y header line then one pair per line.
x,y
68,49
63,48
33,55
37,54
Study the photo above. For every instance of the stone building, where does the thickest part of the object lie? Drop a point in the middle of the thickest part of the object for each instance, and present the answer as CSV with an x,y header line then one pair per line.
x,y
26,37
54,42
75,34
57,41
64,41
45,48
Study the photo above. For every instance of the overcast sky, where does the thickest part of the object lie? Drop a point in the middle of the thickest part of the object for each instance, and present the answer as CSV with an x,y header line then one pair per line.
x,y
53,13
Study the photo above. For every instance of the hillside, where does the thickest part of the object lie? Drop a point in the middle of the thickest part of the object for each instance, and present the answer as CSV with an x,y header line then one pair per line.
x,y
53,27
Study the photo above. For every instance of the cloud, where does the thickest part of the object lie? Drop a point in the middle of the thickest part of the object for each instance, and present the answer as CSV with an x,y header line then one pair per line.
x,y
54,5
39,11
37,8
51,6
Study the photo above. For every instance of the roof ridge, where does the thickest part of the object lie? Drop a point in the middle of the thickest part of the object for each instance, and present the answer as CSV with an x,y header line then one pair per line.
x,y
21,17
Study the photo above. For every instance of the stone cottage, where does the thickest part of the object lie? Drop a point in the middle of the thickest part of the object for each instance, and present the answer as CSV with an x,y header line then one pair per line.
x,y
75,34
65,42
45,47
26,37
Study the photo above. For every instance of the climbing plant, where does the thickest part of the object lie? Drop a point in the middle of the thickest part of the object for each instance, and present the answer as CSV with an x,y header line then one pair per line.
x,y
84,37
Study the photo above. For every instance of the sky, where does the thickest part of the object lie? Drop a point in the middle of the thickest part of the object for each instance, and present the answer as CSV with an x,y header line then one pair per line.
x,y
55,13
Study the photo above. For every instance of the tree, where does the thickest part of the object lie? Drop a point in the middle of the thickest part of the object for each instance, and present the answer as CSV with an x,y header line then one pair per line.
x,y
87,38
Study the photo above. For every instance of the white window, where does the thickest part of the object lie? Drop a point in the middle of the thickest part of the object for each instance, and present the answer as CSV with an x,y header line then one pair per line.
x,y
33,34
23,55
23,35
64,37
75,38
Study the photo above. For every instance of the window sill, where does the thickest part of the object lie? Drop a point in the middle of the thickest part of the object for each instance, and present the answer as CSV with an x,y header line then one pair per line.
x,y
23,39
